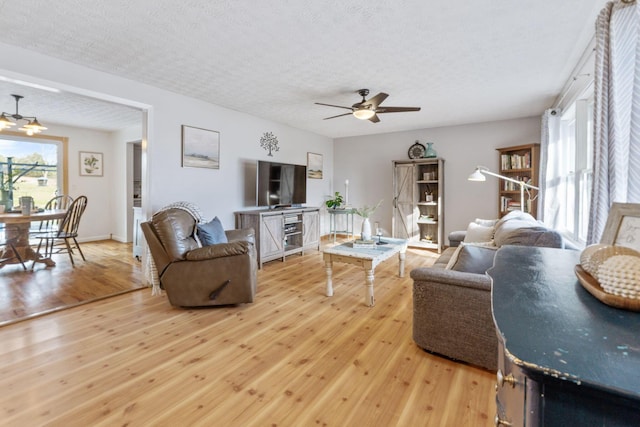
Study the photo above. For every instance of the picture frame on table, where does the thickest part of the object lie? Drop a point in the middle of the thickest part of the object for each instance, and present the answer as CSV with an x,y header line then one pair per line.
x,y
314,165
623,226
200,148
91,164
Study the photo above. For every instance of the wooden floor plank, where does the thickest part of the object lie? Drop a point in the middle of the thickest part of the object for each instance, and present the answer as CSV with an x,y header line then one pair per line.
x,y
292,358
109,269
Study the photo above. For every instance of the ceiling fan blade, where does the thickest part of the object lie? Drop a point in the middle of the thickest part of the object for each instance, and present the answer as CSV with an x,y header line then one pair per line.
x,y
376,100
396,109
339,115
331,105
374,119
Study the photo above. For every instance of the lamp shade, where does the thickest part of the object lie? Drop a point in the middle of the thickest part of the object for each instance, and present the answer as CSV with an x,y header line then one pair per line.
x,y
477,176
5,123
364,113
32,126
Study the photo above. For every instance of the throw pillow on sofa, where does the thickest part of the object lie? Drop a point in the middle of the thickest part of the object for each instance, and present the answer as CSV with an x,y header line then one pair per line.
x,y
212,232
486,222
474,259
477,233
520,228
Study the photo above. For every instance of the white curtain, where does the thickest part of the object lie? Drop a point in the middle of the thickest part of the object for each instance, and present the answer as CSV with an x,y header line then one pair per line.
x,y
548,197
617,113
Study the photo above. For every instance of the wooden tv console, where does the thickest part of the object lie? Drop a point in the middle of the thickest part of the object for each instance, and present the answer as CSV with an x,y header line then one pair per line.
x,y
282,232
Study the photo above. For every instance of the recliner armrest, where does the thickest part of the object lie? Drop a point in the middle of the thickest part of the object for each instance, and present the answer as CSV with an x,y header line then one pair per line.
x,y
219,250
247,234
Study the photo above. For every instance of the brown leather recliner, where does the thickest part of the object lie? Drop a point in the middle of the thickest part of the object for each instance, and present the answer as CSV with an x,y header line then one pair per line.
x,y
192,276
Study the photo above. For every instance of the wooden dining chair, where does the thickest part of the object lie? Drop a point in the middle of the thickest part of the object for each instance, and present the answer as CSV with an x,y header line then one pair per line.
x,y
67,230
58,202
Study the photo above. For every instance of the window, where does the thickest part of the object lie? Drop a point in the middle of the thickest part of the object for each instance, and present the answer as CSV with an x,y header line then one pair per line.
x,y
42,181
571,181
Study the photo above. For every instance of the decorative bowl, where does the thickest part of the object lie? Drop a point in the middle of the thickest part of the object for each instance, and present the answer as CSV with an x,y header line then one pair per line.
x,y
620,275
599,255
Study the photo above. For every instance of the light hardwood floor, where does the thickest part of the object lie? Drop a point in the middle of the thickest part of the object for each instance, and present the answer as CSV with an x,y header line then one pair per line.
x,y
109,269
292,358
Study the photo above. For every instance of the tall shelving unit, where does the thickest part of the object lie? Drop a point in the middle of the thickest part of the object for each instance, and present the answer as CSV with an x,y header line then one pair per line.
x,y
418,202
522,163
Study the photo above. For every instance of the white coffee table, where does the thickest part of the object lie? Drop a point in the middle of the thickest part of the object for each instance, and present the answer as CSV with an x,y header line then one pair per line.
x,y
367,258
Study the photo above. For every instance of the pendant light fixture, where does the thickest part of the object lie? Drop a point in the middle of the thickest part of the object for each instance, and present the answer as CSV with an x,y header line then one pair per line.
x,y
30,128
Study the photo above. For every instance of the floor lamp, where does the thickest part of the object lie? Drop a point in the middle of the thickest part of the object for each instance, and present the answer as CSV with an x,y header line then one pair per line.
x,y
480,171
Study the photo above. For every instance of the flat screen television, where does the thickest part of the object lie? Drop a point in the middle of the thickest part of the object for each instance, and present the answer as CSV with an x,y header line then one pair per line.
x,y
281,184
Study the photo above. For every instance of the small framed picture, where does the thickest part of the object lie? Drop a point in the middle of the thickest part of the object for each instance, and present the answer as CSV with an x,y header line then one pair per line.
x,y
200,148
623,226
314,166
91,164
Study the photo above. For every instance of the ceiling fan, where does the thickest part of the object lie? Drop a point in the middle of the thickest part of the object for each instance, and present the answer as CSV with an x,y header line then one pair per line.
x,y
368,109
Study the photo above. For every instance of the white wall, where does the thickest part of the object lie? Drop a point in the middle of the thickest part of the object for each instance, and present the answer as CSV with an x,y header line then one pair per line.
x,y
218,192
366,162
122,181
96,223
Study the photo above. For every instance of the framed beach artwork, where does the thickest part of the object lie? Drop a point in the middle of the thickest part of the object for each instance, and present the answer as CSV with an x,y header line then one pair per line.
x,y
200,148
314,166
91,164
623,226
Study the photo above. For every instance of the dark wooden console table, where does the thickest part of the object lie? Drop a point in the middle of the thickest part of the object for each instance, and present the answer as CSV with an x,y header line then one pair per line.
x,y
565,358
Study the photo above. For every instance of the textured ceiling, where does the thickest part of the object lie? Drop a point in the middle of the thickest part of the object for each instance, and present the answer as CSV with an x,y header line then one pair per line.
x,y
67,109
462,62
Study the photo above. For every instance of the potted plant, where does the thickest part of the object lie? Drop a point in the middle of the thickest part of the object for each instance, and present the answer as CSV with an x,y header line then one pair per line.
x,y
365,212
336,202
5,192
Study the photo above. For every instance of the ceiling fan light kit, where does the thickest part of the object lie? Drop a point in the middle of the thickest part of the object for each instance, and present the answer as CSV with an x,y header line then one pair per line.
x,y
369,109
364,113
30,128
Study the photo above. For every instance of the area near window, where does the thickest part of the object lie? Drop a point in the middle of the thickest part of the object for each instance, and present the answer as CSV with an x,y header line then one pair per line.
x,y
33,166
570,171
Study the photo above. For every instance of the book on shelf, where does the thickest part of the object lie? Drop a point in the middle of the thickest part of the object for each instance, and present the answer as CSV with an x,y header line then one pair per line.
x,y
504,203
513,206
512,186
515,161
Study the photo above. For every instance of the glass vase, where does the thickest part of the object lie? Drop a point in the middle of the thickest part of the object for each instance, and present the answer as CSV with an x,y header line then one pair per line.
x,y
430,152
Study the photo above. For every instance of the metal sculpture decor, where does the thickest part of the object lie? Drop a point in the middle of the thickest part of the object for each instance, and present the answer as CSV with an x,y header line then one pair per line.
x,y
269,142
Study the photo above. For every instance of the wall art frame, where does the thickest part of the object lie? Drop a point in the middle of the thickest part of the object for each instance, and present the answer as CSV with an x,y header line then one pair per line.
x,y
200,148
623,226
314,166
90,163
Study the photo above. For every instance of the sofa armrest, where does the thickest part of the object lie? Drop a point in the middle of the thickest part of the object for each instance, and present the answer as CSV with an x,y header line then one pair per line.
x,y
219,250
246,234
452,315
452,277
455,237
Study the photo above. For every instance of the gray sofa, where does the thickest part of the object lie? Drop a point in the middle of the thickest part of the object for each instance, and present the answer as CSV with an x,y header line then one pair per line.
x,y
452,299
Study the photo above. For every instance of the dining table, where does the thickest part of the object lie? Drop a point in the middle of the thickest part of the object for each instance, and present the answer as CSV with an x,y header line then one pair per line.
x,y
17,228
